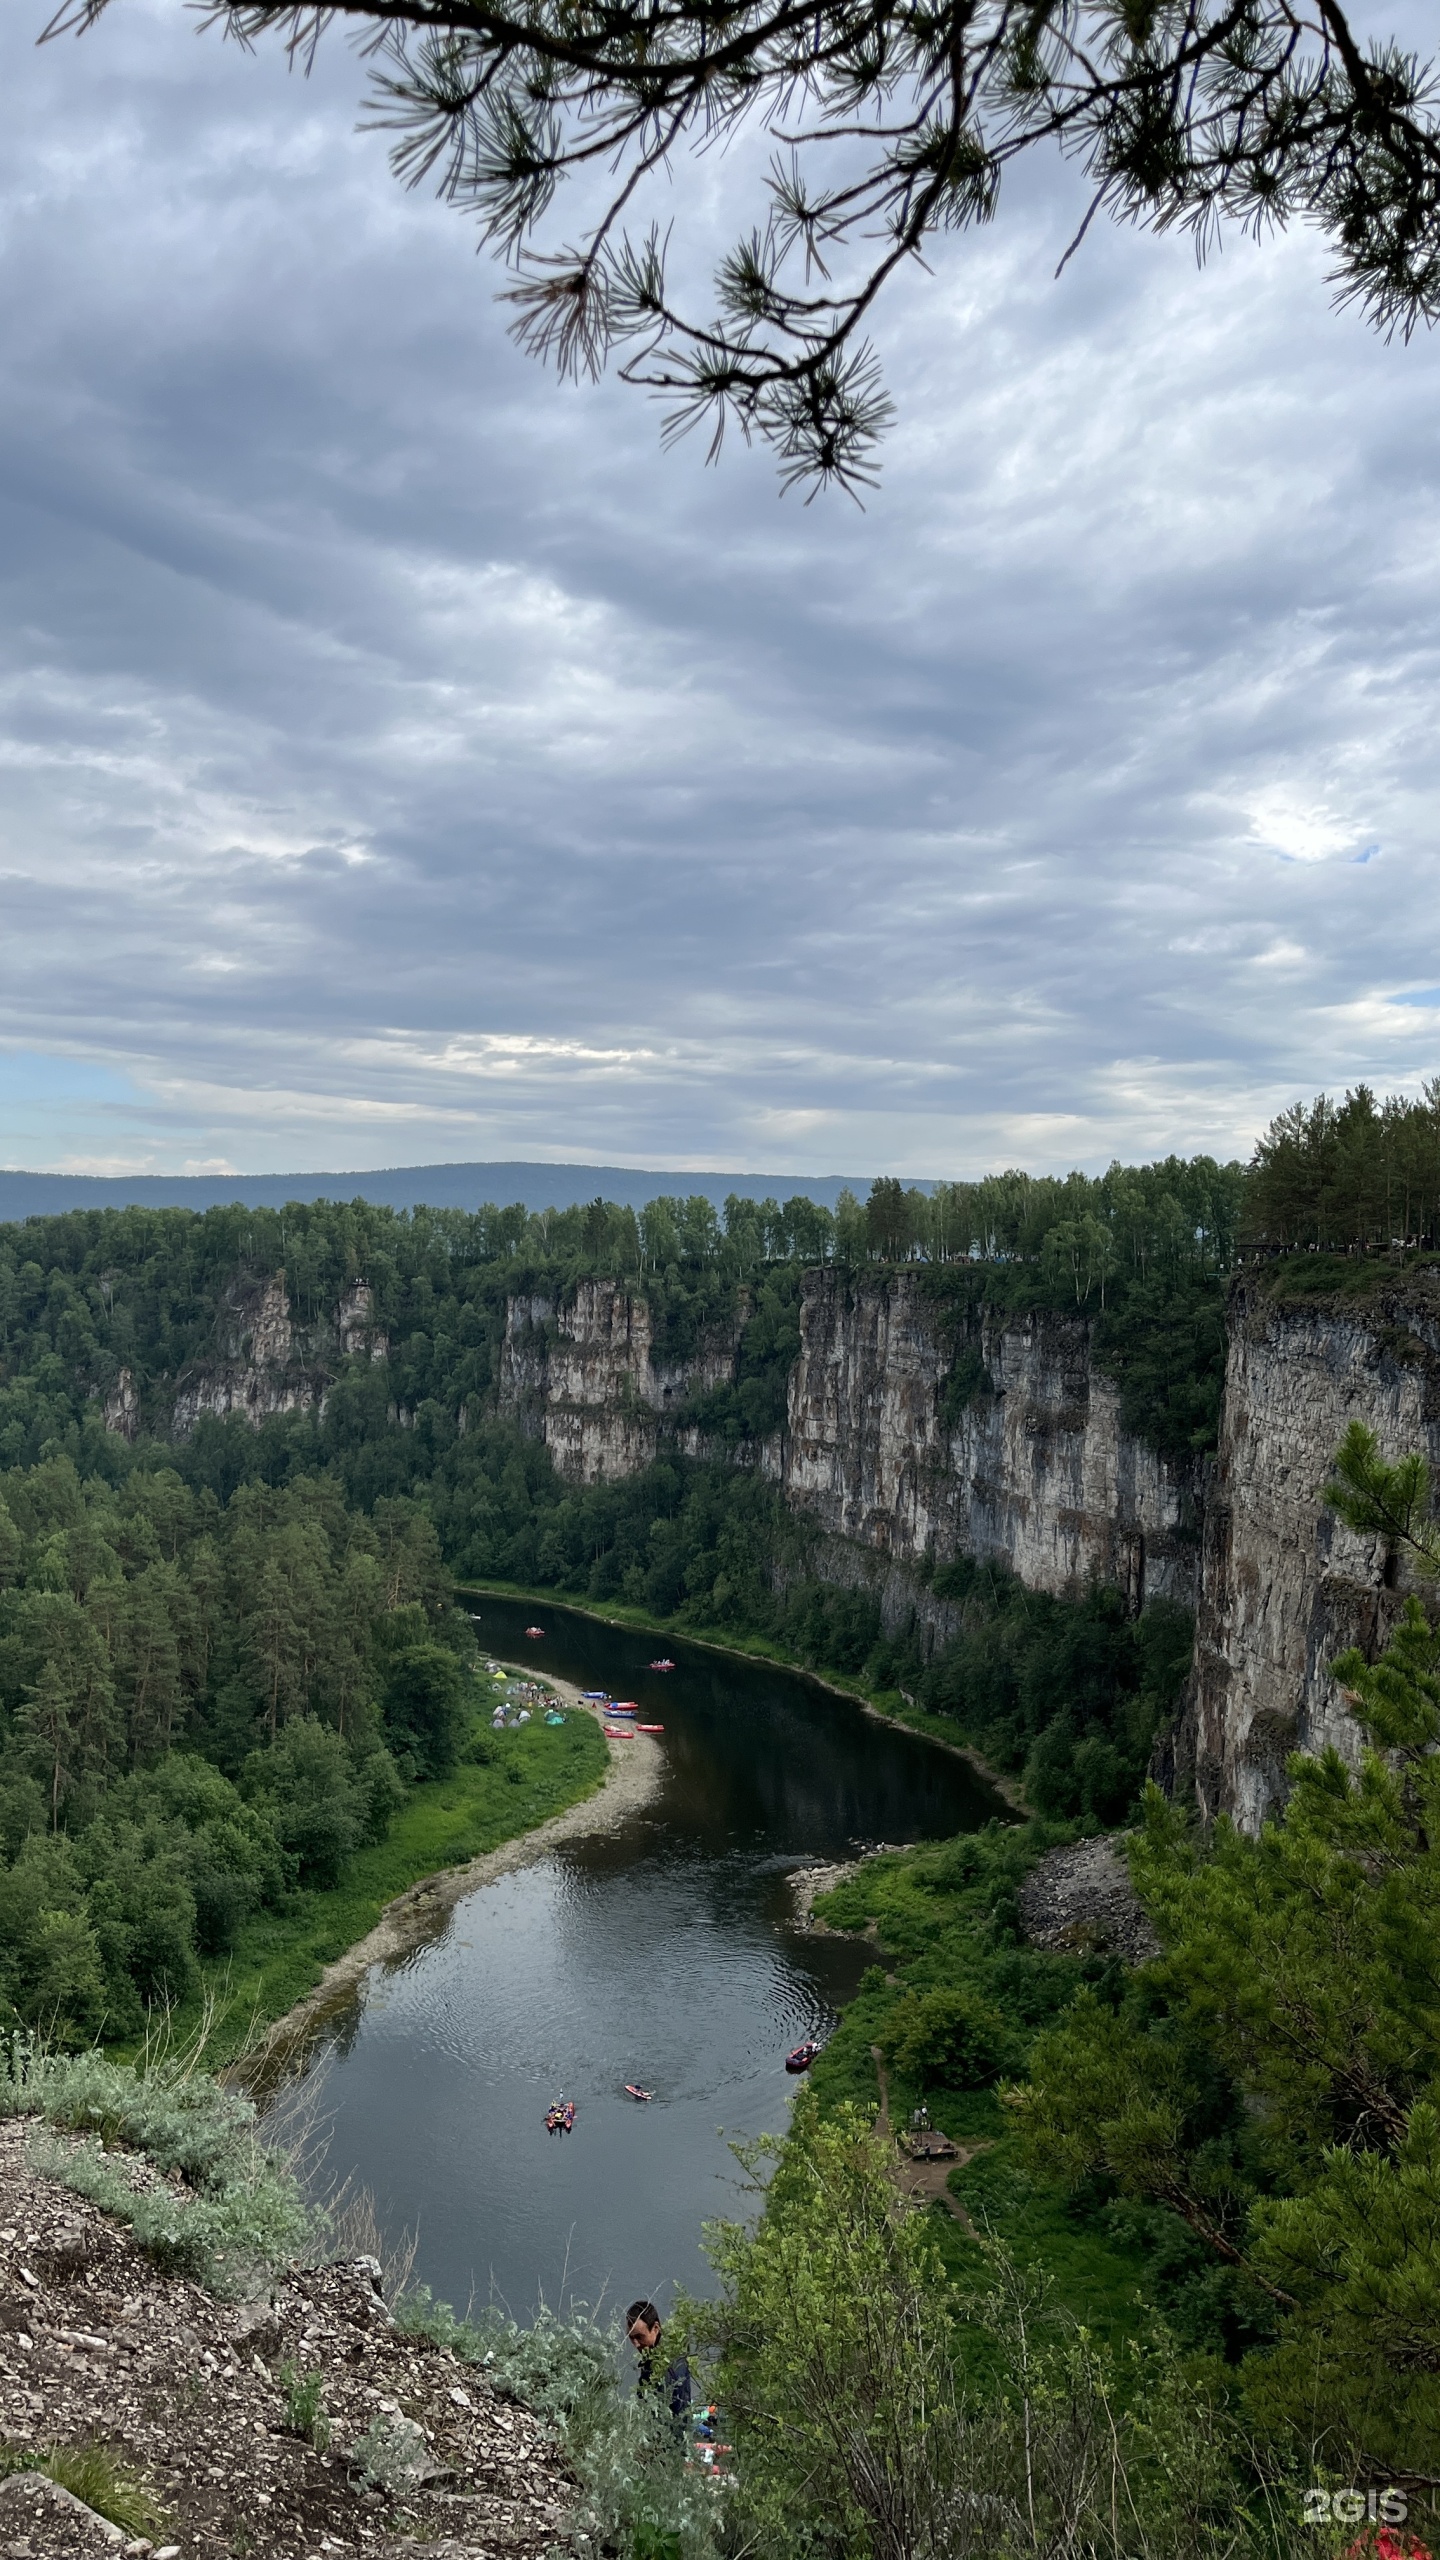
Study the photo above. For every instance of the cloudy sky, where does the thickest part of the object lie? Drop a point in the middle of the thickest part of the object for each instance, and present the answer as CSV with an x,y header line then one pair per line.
x,y
402,758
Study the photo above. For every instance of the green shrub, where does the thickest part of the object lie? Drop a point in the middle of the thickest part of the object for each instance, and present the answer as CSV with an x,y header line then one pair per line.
x,y
304,2411
638,2492
945,2039
879,2412
391,2454
243,2213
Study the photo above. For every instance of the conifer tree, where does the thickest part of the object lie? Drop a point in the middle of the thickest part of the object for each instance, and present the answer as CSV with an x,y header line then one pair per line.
x,y
892,121
1304,1967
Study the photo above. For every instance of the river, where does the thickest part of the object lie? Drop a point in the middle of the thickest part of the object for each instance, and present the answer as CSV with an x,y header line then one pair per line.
x,y
664,1952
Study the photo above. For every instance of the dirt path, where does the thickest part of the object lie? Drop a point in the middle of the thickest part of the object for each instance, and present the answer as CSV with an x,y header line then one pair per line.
x,y
421,1914
923,2181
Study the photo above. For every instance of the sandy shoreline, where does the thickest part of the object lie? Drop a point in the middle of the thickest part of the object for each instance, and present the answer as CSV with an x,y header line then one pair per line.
x,y
1008,1789
420,1914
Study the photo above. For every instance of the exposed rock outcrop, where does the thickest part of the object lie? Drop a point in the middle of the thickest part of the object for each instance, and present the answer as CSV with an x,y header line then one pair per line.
x,y
1080,1901
121,1407
1284,1585
263,1370
1034,1472
264,1363
191,2393
917,1432
361,1338
584,1375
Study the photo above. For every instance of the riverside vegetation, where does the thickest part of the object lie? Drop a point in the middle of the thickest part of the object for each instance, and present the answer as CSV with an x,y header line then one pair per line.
x,y
232,1732
232,1674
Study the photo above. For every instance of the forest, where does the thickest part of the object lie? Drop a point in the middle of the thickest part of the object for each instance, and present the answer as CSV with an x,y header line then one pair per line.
x,y
223,1658
1341,1176
230,1662
1145,1251
204,1707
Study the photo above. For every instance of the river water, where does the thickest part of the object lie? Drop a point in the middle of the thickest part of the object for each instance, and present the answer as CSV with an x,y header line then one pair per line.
x,y
664,1952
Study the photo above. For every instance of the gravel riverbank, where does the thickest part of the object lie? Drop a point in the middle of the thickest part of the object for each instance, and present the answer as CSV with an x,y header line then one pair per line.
x,y
421,1914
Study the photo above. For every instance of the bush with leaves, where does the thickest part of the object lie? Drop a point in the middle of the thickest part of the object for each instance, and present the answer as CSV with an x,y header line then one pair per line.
x,y
881,2413
1275,2075
638,2491
237,2211
945,2039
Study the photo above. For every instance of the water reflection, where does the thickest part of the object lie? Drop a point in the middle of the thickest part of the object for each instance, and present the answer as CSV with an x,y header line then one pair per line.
x,y
662,1952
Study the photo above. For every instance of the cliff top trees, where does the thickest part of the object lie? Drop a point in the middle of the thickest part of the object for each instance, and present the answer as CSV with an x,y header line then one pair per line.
x,y
892,120
1357,1172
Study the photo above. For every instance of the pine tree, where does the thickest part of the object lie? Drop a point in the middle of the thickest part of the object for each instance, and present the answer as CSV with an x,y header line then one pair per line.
x,y
1301,1972
1189,117
48,1722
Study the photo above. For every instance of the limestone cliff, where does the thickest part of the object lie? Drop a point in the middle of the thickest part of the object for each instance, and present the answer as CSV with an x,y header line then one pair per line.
x,y
1284,1585
919,1430
264,1363
910,1436
584,1375
1033,1471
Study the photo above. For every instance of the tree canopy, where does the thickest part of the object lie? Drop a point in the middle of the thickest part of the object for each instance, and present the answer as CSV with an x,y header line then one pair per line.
x,y
1359,1172
891,121
1273,2078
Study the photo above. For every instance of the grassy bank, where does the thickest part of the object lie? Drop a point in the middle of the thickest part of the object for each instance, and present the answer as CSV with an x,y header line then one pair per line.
x,y
955,2006
279,1956
746,1647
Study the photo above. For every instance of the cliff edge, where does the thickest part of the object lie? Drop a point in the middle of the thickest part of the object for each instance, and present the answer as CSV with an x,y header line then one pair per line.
x,y
1284,1585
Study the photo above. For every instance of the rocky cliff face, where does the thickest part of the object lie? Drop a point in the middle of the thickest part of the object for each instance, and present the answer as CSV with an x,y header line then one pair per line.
x,y
265,1363
1284,1586
1034,1471
908,1439
894,1461
585,1377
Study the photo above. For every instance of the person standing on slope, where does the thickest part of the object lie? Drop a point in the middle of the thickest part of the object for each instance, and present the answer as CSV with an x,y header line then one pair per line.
x,y
642,2328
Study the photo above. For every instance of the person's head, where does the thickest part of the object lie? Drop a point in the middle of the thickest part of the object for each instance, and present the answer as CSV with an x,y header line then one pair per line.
x,y
642,2327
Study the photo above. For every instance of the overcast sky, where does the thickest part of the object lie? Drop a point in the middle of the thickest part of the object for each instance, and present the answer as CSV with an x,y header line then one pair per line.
x,y
401,757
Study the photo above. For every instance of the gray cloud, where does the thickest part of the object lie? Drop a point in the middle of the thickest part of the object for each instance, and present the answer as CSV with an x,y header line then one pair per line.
x,y
401,755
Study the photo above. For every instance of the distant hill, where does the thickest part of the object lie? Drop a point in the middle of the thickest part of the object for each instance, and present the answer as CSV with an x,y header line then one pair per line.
x,y
433,1186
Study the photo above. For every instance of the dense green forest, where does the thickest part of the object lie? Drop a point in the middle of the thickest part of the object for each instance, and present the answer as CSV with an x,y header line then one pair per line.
x,y
204,1708
160,1293
1232,2147
143,1579
1337,1175
1228,2156
229,1662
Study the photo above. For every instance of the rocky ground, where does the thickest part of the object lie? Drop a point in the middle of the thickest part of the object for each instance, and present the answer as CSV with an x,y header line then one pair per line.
x,y
95,2343
807,1883
1080,1901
